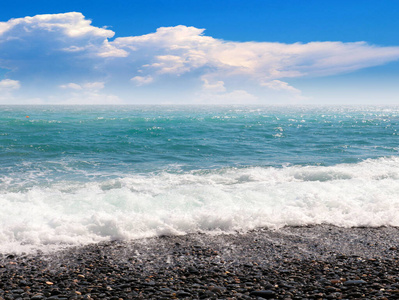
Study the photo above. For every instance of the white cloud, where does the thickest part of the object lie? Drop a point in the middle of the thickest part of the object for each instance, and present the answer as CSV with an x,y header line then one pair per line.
x,y
294,94
86,94
72,24
85,86
67,51
279,85
216,86
178,50
8,85
73,86
53,48
142,80
94,85
107,50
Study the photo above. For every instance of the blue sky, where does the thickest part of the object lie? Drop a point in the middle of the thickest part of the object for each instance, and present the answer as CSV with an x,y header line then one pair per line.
x,y
199,52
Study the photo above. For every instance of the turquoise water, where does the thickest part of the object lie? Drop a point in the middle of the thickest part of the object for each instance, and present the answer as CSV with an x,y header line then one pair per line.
x,y
102,142
80,174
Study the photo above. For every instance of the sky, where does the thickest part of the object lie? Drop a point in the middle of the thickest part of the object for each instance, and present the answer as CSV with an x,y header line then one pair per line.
x,y
261,52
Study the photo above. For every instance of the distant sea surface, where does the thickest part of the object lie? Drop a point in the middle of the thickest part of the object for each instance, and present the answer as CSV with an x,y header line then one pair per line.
x,y
72,175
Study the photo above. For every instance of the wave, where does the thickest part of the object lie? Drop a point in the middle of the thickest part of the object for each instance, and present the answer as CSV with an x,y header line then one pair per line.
x,y
225,200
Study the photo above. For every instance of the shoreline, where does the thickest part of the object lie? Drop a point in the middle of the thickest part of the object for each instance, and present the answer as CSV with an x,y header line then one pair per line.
x,y
309,262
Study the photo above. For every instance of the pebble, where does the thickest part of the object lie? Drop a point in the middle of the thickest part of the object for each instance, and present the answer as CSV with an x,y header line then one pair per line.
x,y
264,294
192,270
354,282
215,267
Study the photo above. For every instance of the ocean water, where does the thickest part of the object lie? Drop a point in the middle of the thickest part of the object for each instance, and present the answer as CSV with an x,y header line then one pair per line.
x,y
73,175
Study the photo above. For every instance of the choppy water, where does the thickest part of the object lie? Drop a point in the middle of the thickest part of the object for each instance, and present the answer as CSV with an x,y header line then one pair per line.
x,y
76,175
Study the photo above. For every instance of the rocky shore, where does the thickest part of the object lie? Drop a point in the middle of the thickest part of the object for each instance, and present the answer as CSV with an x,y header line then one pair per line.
x,y
316,262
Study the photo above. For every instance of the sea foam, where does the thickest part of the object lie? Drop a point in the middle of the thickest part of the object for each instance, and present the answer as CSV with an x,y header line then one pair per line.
x,y
225,200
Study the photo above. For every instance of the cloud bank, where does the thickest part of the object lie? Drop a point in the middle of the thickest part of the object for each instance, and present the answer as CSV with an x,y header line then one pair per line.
x,y
64,57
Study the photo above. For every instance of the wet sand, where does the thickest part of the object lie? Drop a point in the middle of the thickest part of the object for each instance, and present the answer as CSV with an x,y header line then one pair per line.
x,y
314,262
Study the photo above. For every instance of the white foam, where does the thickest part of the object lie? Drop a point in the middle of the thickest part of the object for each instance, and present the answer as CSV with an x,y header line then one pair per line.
x,y
228,200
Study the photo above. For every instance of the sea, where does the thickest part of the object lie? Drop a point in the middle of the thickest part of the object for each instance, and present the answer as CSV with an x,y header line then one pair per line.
x,y
75,175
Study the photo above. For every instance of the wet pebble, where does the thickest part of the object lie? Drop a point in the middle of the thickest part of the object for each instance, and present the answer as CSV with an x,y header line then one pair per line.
x,y
204,267
354,282
264,294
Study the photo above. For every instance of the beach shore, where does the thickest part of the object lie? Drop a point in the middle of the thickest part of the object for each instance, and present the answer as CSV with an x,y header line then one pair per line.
x,y
312,262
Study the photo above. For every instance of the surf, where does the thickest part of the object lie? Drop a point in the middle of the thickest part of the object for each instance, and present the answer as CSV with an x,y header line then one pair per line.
x,y
213,201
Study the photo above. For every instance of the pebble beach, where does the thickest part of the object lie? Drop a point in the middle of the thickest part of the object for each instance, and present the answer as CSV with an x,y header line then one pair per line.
x,y
311,262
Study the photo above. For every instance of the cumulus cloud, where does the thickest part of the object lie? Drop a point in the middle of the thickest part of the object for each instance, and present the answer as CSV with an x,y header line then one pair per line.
x,y
53,48
142,80
87,93
73,86
85,86
215,86
8,85
94,85
178,50
108,50
279,85
67,51
72,24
